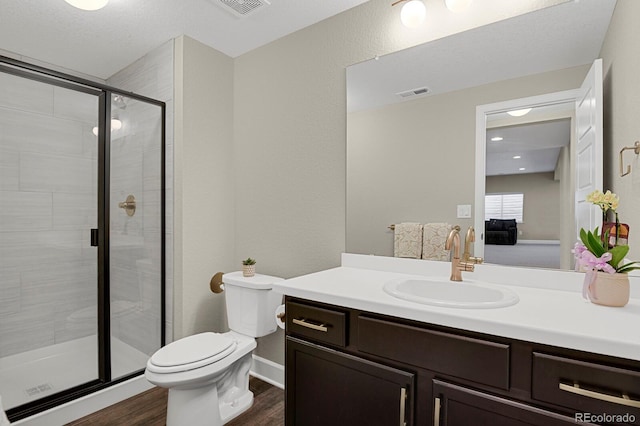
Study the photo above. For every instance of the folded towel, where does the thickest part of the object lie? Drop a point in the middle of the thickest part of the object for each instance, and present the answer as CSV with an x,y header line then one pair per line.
x,y
407,240
433,240
4,421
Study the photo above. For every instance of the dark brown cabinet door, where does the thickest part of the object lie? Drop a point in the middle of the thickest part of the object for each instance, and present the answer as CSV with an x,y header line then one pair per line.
x,y
327,387
458,406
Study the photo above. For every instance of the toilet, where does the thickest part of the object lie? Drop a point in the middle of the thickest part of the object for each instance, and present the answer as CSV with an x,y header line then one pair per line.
x,y
207,374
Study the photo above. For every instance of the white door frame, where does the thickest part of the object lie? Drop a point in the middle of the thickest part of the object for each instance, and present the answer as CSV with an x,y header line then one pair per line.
x,y
482,111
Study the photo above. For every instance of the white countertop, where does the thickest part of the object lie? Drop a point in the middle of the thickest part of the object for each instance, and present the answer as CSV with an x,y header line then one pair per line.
x,y
551,309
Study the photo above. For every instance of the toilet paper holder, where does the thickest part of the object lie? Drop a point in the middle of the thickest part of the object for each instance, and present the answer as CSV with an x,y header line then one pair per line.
x,y
216,285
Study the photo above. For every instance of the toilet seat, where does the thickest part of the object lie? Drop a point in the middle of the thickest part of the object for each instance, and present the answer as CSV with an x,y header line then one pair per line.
x,y
191,352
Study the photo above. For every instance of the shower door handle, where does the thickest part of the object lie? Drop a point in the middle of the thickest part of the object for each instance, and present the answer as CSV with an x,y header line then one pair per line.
x,y
94,237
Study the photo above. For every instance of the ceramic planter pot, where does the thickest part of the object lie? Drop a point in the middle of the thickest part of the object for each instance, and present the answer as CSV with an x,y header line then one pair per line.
x,y
609,289
248,270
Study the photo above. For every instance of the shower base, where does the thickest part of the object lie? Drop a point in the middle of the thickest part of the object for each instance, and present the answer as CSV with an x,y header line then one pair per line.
x,y
28,376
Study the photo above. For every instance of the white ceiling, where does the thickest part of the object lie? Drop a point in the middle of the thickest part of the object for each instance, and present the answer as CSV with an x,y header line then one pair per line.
x,y
537,144
100,43
557,37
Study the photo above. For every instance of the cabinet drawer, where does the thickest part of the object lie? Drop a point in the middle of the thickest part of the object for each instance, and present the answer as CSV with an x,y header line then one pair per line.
x,y
586,387
459,406
464,357
319,324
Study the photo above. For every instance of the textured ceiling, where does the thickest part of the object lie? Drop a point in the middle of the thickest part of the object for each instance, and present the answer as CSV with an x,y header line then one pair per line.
x,y
100,43
552,38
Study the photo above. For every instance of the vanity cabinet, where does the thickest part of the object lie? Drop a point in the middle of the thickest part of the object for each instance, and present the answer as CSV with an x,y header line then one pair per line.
x,y
350,367
333,388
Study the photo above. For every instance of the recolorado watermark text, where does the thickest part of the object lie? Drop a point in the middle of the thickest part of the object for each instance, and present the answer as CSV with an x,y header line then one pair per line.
x,y
604,418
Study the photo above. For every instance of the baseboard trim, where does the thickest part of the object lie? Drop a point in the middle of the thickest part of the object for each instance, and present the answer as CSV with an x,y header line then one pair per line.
x,y
268,371
86,405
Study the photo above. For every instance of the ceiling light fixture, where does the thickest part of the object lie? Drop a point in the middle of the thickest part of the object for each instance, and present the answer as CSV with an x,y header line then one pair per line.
x,y
457,6
519,112
516,157
88,4
497,138
413,12
522,169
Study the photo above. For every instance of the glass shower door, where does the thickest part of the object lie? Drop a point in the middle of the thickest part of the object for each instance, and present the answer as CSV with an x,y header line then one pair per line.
x,y
48,267
136,233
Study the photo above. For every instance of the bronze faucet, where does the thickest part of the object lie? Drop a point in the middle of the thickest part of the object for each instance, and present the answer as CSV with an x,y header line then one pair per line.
x,y
470,238
468,263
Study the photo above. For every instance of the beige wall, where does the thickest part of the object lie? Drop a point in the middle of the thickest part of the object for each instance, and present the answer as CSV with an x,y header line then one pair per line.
x,y
621,63
541,215
290,138
204,196
415,161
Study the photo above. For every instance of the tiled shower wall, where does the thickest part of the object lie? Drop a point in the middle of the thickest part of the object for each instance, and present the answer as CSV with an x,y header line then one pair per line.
x,y
152,76
135,262
47,206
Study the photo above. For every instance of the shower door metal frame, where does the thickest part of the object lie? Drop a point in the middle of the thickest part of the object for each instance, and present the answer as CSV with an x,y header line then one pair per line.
x,y
104,93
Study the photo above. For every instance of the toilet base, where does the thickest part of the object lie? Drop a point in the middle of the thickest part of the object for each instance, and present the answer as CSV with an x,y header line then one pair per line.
x,y
197,407
215,402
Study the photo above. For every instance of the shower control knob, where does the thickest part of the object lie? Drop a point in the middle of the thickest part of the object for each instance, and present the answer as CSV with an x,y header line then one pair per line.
x,y
129,205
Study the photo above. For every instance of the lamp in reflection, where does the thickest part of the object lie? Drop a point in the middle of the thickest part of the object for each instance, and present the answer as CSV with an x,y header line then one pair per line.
x,y
88,4
519,112
115,125
414,12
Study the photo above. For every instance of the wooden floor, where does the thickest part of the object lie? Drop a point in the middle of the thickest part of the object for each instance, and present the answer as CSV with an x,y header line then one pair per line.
x,y
150,408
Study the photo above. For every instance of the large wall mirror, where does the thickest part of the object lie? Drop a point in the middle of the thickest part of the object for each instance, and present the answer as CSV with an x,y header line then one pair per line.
x,y
412,124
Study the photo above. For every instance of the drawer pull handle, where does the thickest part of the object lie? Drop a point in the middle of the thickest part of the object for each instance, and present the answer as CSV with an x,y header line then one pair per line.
x,y
403,398
303,322
436,412
623,400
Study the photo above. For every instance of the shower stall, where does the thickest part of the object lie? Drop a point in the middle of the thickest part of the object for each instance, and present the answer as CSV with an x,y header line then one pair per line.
x,y
81,236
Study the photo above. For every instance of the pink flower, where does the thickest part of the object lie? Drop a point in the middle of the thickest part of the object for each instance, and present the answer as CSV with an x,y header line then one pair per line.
x,y
589,261
578,249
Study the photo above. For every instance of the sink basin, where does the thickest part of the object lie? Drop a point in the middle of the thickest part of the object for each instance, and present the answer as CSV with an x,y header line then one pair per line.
x,y
451,294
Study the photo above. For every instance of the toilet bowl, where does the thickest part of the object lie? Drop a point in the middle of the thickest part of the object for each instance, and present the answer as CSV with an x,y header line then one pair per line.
x,y
207,374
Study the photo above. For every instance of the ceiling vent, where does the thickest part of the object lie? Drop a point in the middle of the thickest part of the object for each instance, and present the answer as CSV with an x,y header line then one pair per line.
x,y
413,92
242,8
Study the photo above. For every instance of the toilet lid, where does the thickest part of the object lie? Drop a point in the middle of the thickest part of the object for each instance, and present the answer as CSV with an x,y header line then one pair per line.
x,y
189,350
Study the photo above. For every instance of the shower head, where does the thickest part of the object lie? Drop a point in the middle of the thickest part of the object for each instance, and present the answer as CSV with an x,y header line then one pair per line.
x,y
118,101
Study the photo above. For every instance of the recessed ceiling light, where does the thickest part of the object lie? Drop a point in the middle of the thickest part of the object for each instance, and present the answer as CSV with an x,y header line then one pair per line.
x,y
514,113
88,4
522,168
496,138
515,157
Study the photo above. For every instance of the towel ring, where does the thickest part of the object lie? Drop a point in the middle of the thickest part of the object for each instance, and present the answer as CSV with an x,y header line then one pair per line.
x,y
636,150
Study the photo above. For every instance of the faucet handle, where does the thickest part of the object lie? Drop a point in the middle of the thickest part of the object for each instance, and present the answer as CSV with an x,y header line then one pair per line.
x,y
466,266
475,260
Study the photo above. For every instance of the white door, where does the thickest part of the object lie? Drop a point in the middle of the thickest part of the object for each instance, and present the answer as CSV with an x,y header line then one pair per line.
x,y
588,153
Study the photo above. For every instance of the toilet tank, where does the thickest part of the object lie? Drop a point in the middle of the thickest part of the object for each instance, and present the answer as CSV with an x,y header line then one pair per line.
x,y
251,303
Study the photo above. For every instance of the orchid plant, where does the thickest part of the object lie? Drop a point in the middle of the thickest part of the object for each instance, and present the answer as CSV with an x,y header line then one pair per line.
x,y
593,254
607,202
